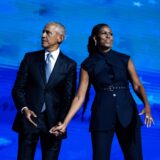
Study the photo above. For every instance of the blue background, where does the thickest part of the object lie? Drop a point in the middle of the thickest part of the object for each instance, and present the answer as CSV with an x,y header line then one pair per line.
x,y
136,28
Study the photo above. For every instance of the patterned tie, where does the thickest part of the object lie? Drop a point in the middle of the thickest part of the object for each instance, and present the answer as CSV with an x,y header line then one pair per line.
x,y
48,69
48,66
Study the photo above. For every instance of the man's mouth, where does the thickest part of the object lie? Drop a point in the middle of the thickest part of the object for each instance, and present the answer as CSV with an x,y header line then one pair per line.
x,y
44,41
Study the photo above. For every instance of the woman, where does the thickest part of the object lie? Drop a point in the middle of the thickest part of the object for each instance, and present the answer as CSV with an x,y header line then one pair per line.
x,y
114,109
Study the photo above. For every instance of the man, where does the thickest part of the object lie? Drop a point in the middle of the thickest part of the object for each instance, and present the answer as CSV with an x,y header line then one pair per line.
x,y
42,93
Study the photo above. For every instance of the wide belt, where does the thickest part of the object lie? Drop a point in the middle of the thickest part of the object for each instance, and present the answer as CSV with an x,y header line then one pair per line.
x,y
111,88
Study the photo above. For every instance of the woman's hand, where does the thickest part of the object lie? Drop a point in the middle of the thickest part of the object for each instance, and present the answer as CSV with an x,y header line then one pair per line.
x,y
59,129
148,117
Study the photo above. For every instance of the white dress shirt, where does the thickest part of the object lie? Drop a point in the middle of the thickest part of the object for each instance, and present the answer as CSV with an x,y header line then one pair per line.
x,y
54,56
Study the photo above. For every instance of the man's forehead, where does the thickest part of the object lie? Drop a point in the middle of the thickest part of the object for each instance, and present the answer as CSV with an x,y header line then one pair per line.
x,y
50,27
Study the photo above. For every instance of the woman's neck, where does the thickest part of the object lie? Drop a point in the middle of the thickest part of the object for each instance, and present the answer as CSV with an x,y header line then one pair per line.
x,y
104,50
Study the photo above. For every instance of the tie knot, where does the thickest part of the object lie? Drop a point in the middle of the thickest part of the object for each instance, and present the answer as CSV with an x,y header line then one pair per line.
x,y
49,57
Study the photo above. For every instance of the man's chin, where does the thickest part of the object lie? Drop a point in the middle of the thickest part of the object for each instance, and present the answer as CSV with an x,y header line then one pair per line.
x,y
44,46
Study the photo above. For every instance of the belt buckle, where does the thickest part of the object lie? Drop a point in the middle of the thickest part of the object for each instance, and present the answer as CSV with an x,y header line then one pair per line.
x,y
111,88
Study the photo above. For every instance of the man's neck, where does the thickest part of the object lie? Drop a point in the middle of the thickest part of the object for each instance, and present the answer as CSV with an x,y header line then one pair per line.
x,y
52,49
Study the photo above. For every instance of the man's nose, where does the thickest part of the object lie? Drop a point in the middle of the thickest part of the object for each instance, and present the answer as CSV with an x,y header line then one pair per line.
x,y
43,34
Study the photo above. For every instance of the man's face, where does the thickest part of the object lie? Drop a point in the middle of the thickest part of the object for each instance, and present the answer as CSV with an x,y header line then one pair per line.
x,y
104,37
50,38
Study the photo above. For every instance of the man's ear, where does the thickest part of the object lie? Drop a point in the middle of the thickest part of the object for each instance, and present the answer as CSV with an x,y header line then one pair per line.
x,y
60,38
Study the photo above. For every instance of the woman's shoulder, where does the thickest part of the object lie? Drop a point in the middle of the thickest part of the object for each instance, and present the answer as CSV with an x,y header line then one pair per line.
x,y
88,63
123,57
120,54
88,60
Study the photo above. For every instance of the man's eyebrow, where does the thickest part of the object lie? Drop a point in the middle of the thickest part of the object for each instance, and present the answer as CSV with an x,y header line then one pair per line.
x,y
45,30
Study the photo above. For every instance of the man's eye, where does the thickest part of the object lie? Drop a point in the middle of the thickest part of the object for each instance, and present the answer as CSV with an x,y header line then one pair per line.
x,y
47,32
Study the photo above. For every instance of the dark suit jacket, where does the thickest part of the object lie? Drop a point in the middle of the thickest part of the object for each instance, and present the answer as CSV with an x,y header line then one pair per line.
x,y
31,90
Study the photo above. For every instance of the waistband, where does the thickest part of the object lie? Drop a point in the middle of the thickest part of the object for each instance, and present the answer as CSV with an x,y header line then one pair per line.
x,y
111,88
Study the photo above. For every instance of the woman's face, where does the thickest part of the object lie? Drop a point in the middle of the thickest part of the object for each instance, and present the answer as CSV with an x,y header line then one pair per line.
x,y
104,38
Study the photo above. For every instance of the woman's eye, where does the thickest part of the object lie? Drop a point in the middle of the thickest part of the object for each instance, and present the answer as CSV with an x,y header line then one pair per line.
x,y
106,33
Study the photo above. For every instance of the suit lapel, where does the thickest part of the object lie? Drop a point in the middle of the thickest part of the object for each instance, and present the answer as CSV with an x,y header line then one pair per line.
x,y
55,71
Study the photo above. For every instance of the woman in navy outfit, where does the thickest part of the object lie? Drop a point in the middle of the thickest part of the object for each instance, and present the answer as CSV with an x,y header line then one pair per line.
x,y
114,109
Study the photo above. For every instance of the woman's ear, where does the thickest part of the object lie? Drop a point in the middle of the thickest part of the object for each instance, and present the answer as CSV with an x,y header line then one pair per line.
x,y
95,41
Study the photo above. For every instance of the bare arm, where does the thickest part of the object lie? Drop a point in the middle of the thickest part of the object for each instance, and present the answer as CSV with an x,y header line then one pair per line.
x,y
139,90
76,103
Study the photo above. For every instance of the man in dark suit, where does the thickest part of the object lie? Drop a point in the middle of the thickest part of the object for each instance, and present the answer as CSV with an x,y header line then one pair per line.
x,y
42,93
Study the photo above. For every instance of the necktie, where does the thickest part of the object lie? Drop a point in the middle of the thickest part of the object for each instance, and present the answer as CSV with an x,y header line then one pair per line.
x,y
48,69
48,66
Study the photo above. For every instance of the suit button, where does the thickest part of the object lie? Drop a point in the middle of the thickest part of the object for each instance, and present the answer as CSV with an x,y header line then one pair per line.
x,y
114,95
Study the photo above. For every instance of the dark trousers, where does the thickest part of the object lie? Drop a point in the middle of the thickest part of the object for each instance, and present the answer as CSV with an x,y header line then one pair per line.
x,y
129,139
27,143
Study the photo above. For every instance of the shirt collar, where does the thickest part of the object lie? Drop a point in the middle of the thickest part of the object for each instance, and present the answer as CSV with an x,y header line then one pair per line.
x,y
54,53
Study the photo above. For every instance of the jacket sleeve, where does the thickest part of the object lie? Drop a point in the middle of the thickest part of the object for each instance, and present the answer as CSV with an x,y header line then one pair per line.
x,y
18,91
69,91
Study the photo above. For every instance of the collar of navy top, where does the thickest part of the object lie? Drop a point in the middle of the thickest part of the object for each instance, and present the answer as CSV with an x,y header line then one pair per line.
x,y
106,54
